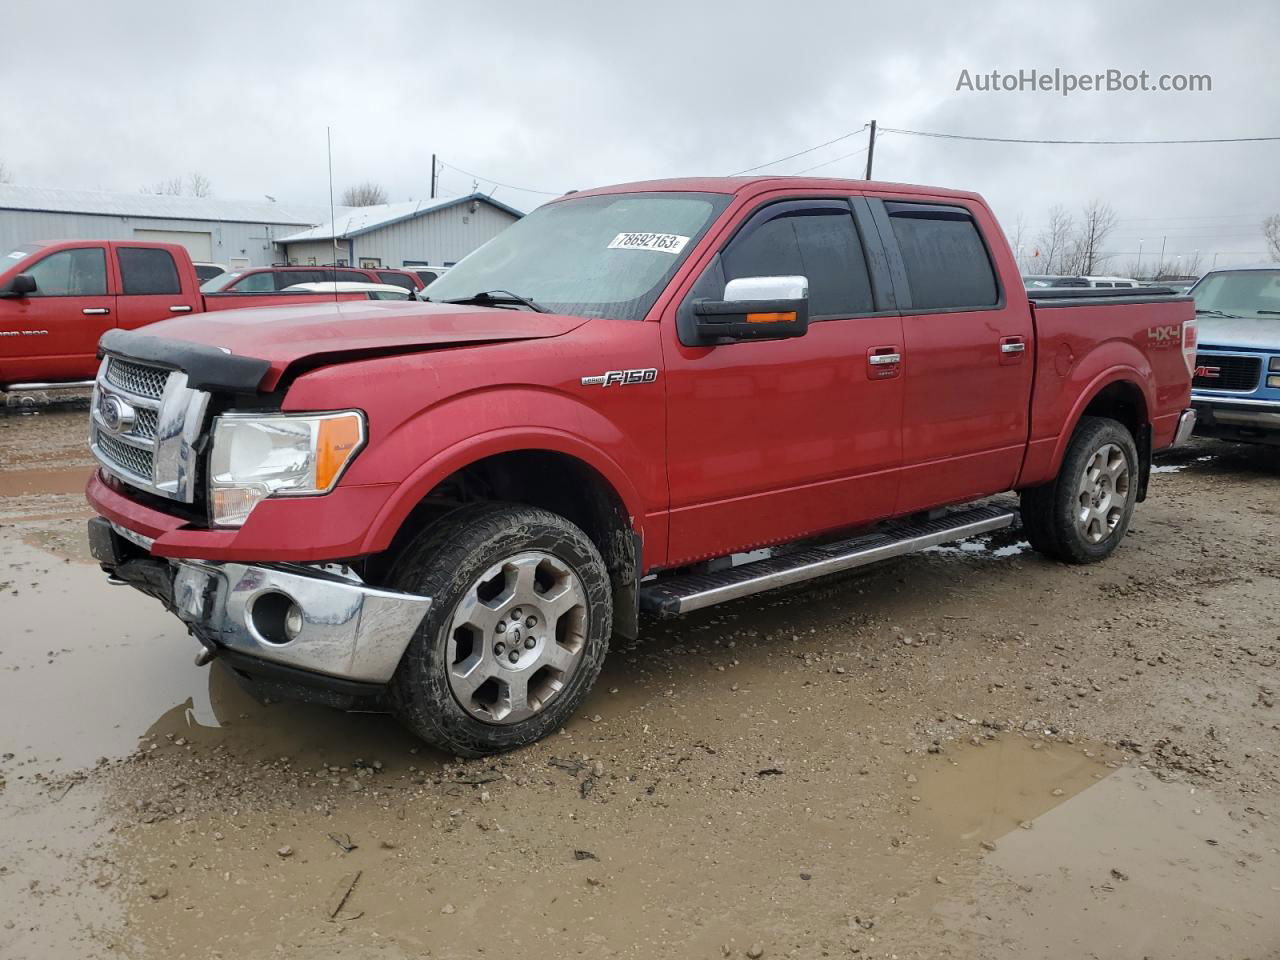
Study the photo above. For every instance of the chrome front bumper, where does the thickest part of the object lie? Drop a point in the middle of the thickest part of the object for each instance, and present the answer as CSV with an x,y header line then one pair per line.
x,y
1186,424
336,625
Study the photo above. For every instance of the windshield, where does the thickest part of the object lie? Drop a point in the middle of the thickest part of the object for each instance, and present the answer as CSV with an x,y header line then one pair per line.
x,y
1240,293
603,256
220,282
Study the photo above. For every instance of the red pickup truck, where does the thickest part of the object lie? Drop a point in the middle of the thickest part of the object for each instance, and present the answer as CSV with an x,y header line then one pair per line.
x,y
613,406
57,299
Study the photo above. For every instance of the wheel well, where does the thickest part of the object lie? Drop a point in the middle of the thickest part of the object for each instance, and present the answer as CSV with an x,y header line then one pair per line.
x,y
1123,401
556,482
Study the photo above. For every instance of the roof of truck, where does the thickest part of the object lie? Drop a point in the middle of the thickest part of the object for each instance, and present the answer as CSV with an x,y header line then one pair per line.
x,y
737,185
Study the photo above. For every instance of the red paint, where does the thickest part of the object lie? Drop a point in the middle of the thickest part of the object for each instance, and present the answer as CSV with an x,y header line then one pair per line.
x,y
728,447
52,339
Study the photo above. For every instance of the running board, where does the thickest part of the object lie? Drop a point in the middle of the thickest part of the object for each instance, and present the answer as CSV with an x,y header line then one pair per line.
x,y
683,594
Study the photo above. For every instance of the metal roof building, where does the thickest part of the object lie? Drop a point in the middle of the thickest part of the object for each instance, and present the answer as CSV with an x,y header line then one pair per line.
x,y
229,232
437,232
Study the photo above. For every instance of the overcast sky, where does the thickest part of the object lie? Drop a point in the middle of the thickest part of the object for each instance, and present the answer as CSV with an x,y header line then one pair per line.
x,y
561,95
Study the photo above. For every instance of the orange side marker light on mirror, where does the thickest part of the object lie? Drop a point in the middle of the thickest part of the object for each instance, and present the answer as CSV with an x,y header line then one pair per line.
x,y
771,317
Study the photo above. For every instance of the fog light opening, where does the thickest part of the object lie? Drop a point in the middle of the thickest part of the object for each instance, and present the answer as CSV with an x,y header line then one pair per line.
x,y
275,618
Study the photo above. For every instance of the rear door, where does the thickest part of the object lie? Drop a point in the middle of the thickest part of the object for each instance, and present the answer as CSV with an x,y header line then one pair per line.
x,y
151,286
967,351
52,334
773,440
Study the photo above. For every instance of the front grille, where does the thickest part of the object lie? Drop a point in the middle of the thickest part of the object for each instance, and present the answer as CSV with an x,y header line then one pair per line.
x,y
125,456
137,378
144,425
1217,372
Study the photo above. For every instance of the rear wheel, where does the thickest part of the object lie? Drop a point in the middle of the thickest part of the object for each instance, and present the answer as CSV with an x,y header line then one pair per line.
x,y
1082,516
516,634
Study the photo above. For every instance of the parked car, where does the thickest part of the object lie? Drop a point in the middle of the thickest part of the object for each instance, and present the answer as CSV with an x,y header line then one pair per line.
x,y
207,271
451,507
1045,281
427,275
1236,389
268,279
372,291
57,299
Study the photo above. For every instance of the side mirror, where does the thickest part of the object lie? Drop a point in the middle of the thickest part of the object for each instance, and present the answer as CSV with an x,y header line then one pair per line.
x,y
755,308
20,286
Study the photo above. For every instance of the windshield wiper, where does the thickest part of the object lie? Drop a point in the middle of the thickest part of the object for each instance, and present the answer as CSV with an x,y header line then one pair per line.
x,y
1267,311
1220,313
500,296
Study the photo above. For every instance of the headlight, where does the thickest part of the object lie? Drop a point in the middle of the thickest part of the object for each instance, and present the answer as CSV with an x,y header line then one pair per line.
x,y
255,457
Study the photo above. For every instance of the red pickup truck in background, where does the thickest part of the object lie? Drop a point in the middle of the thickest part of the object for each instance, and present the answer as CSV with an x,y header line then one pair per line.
x,y
58,299
609,408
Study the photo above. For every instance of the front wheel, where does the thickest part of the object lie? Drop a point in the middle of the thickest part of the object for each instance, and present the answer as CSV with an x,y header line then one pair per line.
x,y
517,631
1082,516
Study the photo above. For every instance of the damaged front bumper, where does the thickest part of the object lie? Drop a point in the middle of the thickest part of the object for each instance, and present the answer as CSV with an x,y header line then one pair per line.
x,y
314,627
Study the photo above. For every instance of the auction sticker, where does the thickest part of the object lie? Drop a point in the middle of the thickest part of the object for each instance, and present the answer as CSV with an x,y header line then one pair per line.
x,y
662,242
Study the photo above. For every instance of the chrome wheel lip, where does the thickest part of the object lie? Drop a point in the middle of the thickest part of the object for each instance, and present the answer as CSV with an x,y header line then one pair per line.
x,y
1102,495
510,653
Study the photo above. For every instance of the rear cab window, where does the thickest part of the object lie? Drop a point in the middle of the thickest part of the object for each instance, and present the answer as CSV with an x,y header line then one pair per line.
x,y
146,271
947,263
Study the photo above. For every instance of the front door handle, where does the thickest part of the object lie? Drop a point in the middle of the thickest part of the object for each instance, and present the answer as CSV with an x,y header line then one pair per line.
x,y
182,308
95,311
883,362
1012,349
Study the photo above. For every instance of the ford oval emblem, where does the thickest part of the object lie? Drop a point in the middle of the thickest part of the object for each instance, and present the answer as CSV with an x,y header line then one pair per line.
x,y
117,416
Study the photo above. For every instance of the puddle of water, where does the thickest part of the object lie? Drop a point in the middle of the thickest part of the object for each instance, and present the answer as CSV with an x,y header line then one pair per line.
x,y
982,546
1172,467
69,479
1092,862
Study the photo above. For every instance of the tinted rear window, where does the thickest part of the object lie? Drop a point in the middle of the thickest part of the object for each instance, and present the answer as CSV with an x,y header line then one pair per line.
x,y
145,271
946,260
399,279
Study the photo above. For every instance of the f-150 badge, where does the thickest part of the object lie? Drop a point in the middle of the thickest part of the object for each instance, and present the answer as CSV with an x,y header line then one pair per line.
x,y
621,378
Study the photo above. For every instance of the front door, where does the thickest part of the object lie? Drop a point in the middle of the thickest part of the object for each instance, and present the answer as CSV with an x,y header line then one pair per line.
x,y
967,353
769,441
52,334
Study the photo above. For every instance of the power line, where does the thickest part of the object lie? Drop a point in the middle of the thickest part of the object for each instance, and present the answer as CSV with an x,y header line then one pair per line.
x,y
962,136
801,153
828,162
499,183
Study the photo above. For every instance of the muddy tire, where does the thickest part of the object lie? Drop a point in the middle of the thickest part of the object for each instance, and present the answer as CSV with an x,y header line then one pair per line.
x,y
1082,516
517,631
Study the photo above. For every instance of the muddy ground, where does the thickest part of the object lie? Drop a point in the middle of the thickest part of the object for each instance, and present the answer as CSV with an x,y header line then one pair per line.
x,y
967,753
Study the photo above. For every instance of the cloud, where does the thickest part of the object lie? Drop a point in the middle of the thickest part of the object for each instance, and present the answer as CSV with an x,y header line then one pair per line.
x,y
573,94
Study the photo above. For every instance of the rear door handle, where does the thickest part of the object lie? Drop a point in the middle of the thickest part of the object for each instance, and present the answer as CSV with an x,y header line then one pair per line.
x,y
1013,348
182,308
880,359
95,311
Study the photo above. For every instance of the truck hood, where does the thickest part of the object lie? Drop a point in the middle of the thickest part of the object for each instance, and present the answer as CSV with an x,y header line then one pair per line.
x,y
1249,333
285,339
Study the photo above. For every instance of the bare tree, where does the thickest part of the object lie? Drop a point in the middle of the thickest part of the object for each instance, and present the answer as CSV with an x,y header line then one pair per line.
x,y
1270,232
1086,255
367,194
1016,237
165,188
199,184
1053,239
6,175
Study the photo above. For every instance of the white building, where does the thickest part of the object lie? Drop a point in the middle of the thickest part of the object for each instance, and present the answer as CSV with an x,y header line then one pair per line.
x,y
230,232
436,232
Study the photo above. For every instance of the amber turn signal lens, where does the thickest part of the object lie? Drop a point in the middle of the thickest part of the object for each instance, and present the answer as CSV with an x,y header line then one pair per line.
x,y
771,317
336,443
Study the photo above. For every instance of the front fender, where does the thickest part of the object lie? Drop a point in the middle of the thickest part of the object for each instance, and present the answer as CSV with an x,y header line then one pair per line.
x,y
463,430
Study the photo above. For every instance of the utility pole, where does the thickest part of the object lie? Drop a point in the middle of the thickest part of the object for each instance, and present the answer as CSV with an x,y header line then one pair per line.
x,y
1160,265
871,149
1138,271
433,176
